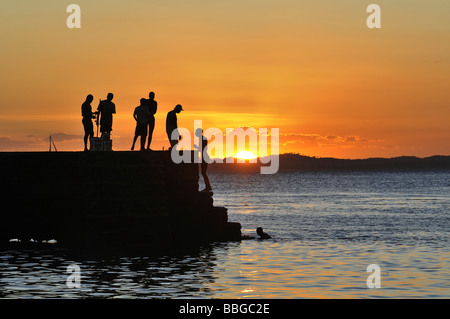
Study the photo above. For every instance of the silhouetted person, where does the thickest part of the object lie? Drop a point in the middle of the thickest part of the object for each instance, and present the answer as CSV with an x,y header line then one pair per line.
x,y
141,115
152,106
262,234
106,109
172,125
205,157
86,112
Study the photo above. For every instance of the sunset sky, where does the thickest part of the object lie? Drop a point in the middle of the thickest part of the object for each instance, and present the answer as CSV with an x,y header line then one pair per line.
x,y
313,69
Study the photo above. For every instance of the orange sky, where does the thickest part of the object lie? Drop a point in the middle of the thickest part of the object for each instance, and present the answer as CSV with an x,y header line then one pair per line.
x,y
310,68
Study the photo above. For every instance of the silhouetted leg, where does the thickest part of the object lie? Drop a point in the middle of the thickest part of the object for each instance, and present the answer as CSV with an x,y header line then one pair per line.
x,y
134,142
143,138
85,142
88,132
172,142
151,127
204,166
90,135
207,184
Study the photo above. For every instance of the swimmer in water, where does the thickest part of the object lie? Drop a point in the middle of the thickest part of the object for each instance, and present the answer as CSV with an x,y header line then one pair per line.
x,y
262,234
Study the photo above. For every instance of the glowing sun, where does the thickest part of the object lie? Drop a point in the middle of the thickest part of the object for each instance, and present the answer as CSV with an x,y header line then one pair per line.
x,y
246,155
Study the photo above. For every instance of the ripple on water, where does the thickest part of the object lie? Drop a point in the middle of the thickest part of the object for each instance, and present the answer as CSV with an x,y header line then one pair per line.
x,y
327,228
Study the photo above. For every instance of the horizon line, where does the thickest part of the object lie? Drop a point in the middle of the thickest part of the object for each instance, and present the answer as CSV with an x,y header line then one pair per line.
x,y
257,157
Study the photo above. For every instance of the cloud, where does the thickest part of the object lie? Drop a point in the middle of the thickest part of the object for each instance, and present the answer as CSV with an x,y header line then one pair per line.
x,y
30,143
331,140
359,139
62,137
303,137
289,142
34,143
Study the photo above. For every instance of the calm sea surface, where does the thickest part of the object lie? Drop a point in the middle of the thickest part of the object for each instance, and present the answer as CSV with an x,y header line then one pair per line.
x,y
327,228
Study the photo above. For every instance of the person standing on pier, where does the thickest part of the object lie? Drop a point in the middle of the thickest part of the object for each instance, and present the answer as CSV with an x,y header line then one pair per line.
x,y
86,112
152,106
203,143
172,125
141,115
106,109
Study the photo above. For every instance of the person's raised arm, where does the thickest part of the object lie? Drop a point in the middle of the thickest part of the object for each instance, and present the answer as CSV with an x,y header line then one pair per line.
x,y
99,111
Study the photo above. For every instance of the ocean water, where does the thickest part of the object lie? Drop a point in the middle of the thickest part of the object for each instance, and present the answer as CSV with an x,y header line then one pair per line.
x,y
326,228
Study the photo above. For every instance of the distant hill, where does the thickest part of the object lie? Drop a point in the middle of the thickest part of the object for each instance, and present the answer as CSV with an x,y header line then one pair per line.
x,y
297,162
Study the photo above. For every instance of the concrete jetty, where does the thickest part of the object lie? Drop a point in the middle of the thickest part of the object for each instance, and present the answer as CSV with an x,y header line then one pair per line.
x,y
109,200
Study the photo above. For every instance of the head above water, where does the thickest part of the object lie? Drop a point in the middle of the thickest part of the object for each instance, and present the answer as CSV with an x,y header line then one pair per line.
x,y
259,231
110,96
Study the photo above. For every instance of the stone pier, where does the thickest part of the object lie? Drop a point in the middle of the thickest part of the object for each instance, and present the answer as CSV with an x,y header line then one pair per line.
x,y
108,200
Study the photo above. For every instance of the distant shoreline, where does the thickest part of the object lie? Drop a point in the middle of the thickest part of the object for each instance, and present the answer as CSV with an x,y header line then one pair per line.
x,y
295,162
289,162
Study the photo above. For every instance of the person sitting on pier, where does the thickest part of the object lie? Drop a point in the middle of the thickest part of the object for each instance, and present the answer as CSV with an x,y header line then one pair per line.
x,y
172,126
86,112
106,109
141,115
204,158
262,234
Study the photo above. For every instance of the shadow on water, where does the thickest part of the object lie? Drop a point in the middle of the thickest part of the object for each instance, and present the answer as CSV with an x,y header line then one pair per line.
x,y
42,272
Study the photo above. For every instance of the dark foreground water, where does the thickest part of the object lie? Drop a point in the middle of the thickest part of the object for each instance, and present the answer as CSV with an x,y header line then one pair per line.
x,y
327,228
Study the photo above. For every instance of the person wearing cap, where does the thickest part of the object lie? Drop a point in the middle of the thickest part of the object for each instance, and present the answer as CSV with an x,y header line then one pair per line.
x,y
172,125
